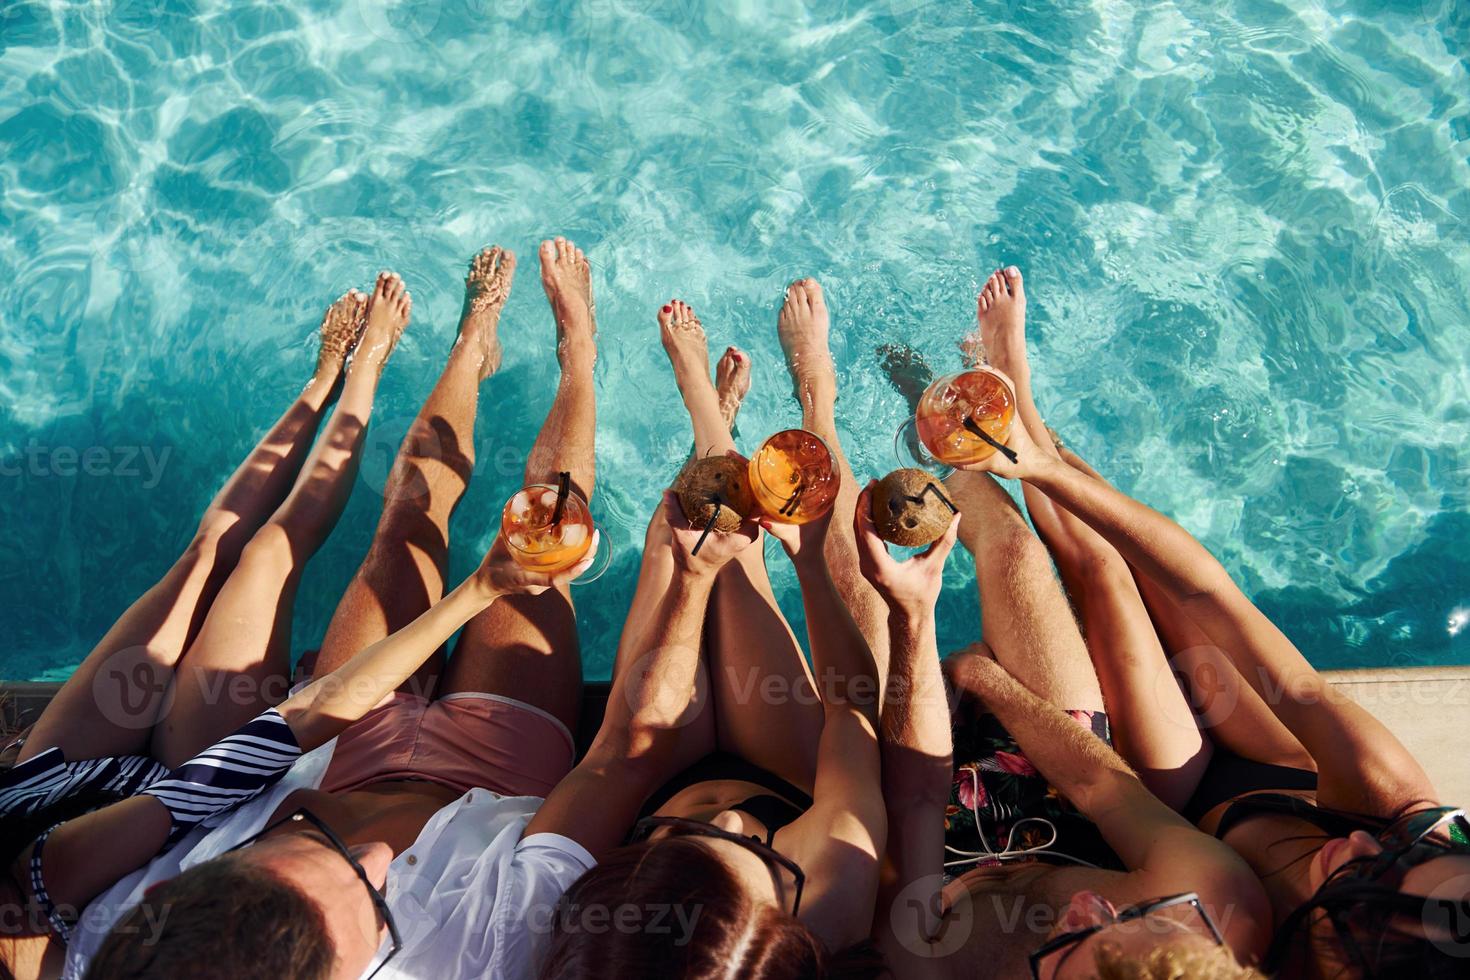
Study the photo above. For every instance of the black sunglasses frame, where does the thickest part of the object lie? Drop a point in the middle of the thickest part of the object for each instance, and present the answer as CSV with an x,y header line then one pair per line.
x,y
1403,835
1070,939
769,855
338,845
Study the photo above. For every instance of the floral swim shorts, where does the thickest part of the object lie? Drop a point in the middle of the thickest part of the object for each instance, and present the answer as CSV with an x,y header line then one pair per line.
x,y
999,802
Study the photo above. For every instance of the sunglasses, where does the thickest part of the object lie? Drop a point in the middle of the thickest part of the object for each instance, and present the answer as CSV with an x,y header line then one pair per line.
x,y
336,843
1401,842
1061,945
695,828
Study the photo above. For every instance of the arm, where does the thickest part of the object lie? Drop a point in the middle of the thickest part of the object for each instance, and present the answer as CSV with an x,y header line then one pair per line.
x,y
918,768
1361,765
840,838
652,695
324,708
88,854
916,749
1164,853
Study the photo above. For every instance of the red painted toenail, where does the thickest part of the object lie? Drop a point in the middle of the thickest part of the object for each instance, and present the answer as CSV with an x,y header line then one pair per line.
x,y
668,309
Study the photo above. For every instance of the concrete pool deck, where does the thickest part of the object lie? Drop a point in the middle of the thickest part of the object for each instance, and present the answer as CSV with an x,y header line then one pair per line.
x,y
1427,708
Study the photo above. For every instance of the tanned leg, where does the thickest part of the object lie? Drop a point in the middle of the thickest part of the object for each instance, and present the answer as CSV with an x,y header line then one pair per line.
x,y
110,703
238,664
403,572
1154,728
749,645
526,647
803,325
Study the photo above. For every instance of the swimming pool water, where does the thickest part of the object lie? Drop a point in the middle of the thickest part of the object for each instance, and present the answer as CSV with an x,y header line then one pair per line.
x,y
1243,225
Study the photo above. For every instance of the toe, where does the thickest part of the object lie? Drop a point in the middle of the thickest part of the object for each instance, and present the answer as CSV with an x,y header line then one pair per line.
x,y
982,302
815,295
1014,280
508,263
796,292
548,251
666,314
563,248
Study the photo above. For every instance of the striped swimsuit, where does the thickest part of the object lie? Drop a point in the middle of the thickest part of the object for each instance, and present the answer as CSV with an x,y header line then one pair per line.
x,y
230,772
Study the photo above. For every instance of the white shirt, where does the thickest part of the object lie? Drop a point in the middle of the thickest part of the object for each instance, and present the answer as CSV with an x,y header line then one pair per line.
x,y
470,898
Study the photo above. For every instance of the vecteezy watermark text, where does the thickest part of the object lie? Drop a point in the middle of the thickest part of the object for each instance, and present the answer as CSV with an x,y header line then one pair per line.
x,y
145,463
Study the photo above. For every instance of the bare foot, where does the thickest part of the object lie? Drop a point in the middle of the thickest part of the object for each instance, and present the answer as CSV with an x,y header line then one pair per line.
x,y
685,343
387,314
342,325
1002,325
803,326
732,383
567,279
486,288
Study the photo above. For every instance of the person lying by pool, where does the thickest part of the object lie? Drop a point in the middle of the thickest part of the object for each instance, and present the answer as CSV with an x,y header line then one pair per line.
x,y
1365,869
423,797
147,698
737,827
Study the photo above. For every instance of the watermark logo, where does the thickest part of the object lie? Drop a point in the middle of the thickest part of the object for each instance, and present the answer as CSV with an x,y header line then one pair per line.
x,y
130,690
923,923
1447,917
144,464
666,684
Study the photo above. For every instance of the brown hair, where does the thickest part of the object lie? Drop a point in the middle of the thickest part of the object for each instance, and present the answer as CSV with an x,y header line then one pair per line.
x,y
1172,961
671,908
219,920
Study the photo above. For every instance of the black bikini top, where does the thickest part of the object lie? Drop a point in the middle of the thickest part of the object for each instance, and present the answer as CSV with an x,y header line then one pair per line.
x,y
1329,821
772,811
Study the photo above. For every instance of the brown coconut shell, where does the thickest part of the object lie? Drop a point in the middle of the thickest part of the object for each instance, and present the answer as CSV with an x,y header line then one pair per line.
x,y
705,480
903,520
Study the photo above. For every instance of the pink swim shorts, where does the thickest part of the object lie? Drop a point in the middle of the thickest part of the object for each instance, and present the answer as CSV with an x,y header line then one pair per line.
x,y
463,741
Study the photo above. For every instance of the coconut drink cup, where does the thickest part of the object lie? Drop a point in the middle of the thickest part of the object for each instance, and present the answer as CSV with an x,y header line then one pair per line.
x,y
910,510
718,488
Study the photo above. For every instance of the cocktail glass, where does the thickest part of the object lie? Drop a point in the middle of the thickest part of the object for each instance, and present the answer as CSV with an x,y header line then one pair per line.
x,y
544,537
961,419
793,477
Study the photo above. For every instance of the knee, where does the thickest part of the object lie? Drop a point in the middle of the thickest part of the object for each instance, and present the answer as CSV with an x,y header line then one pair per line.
x,y
1014,547
220,534
270,547
1101,569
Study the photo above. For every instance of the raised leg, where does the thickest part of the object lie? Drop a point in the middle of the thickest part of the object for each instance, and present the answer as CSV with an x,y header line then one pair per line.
x,y
766,707
803,325
111,702
238,664
1027,622
403,572
1154,728
1227,707
525,647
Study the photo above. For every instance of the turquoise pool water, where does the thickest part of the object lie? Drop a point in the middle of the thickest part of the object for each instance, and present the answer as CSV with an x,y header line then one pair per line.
x,y
1244,226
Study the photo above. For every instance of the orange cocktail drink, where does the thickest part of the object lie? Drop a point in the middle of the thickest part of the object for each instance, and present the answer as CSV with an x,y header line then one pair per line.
x,y
540,539
956,409
793,477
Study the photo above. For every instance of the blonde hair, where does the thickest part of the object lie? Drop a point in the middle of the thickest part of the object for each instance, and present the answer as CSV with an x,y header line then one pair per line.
x,y
1174,961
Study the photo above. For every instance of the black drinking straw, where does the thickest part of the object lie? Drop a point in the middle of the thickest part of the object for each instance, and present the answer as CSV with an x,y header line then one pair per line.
x,y
938,493
789,508
708,527
563,487
999,447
